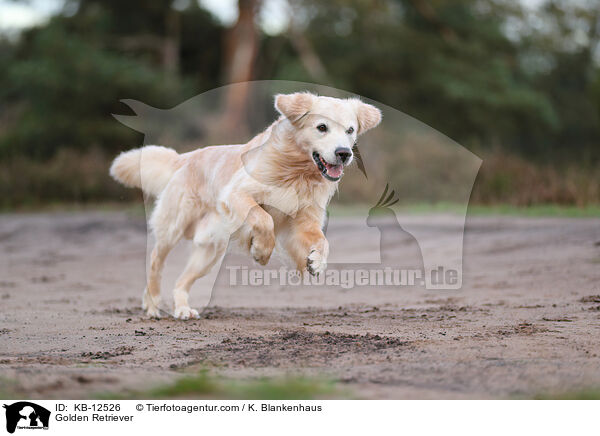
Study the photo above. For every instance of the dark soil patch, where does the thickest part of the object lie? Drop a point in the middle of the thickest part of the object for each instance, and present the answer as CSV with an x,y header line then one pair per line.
x,y
295,348
591,299
523,329
102,355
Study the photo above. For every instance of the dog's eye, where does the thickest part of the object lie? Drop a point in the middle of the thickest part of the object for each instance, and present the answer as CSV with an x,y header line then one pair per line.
x,y
350,130
322,128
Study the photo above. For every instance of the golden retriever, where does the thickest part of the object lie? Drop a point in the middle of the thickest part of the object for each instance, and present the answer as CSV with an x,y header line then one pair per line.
x,y
272,191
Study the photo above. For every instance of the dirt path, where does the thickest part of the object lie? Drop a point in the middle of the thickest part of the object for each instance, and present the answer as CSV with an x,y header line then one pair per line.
x,y
526,321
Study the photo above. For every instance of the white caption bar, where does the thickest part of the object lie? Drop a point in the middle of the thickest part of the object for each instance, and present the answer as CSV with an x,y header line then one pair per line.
x,y
162,417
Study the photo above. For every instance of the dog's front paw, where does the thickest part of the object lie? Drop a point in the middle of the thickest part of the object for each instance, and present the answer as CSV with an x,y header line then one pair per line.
x,y
185,312
261,248
153,312
315,263
150,305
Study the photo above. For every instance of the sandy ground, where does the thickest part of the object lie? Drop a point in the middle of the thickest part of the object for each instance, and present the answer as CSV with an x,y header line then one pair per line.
x,y
527,320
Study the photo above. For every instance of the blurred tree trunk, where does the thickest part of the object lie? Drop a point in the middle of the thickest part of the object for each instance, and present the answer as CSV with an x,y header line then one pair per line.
x,y
307,54
241,49
171,43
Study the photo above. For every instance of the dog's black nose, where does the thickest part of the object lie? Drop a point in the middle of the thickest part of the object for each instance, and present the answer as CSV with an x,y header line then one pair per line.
x,y
343,154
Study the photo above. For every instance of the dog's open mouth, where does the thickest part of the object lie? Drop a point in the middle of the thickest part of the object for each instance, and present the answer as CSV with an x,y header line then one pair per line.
x,y
329,171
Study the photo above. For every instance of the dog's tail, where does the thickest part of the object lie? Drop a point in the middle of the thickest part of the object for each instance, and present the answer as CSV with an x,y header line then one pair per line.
x,y
149,168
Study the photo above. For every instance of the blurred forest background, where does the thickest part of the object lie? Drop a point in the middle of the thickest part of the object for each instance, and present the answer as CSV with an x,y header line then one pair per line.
x,y
515,81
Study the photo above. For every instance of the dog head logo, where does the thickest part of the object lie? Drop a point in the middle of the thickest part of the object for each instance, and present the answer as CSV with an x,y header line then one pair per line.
x,y
26,415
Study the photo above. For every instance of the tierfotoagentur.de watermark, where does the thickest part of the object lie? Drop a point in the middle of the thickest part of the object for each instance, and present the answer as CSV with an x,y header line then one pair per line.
x,y
344,278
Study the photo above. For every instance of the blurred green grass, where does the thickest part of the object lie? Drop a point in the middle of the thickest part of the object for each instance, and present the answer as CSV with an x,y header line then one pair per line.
x,y
205,385
541,210
585,394
9,389
80,181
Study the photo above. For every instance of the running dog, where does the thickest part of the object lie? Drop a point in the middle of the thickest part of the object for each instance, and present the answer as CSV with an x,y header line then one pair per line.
x,y
272,191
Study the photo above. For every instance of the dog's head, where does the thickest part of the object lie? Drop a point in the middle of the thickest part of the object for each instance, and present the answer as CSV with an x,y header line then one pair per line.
x,y
326,128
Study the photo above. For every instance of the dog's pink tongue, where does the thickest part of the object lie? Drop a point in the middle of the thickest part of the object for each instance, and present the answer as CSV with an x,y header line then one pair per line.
x,y
334,170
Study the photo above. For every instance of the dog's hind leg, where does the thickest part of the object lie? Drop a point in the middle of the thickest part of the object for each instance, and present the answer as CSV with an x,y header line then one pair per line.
x,y
201,261
151,297
168,222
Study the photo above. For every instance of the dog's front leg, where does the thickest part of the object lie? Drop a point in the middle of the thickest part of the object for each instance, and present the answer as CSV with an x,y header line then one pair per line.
x,y
308,247
258,229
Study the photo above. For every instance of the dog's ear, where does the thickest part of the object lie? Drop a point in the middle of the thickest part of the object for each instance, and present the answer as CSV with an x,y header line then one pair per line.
x,y
294,106
368,116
